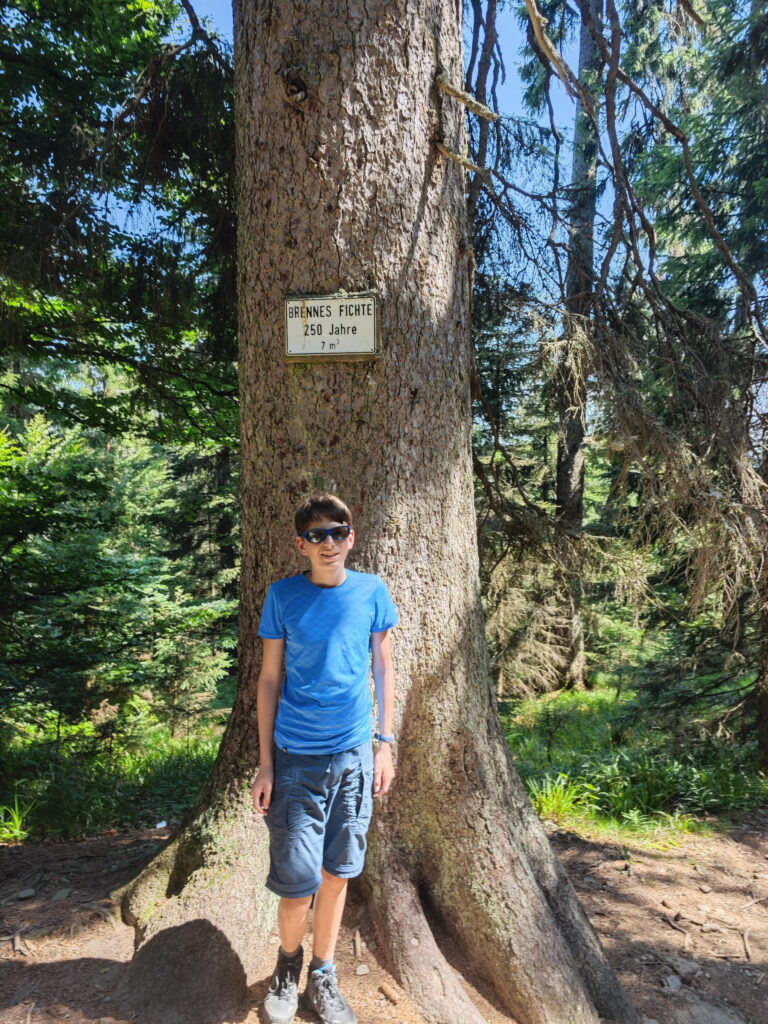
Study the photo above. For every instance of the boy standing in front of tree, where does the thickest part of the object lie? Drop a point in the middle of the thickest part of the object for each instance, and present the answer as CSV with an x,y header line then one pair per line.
x,y
329,627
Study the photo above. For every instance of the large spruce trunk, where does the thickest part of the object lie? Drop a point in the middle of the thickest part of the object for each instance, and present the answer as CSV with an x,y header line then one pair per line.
x,y
341,187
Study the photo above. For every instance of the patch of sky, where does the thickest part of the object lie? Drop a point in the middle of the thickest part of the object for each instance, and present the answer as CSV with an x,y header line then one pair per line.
x,y
216,14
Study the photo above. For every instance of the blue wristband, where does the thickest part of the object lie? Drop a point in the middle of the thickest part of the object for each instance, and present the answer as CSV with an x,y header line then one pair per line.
x,y
382,738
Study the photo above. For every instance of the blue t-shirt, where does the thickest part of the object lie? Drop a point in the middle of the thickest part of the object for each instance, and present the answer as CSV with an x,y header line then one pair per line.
x,y
325,704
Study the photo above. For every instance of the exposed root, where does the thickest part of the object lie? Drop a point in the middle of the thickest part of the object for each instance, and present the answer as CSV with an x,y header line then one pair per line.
x,y
147,891
412,952
563,903
213,872
507,931
494,879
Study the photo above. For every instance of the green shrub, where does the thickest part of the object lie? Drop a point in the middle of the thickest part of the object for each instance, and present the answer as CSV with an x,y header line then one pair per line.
x,y
592,757
84,785
13,822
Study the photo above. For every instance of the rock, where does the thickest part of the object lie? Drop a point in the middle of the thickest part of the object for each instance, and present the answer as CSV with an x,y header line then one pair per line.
x,y
684,968
705,888
672,985
695,1009
61,894
362,969
25,894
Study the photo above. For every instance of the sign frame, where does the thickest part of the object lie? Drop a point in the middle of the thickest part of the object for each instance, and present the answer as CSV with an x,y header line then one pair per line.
x,y
334,357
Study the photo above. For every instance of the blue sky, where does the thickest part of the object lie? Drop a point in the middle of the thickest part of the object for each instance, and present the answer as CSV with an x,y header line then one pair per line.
x,y
219,11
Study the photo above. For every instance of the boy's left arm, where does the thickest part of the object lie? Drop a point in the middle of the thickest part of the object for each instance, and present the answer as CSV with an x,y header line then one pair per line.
x,y
384,680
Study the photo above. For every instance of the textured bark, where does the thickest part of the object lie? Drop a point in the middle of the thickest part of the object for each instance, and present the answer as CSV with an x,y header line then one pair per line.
x,y
761,684
761,687
341,188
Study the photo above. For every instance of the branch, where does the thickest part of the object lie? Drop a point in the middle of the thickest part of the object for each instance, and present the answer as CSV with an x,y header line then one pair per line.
x,y
199,32
469,101
611,57
464,161
573,86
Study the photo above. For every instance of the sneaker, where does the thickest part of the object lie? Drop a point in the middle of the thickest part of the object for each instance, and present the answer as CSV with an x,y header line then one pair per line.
x,y
322,995
282,999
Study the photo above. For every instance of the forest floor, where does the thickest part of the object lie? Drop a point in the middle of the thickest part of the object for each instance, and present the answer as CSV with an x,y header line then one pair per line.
x,y
685,928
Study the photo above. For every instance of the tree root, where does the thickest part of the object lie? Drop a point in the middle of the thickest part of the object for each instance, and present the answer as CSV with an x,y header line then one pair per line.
x,y
412,952
576,929
507,931
493,878
212,873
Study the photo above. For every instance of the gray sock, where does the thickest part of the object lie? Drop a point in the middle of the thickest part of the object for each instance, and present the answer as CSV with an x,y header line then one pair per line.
x,y
290,956
316,962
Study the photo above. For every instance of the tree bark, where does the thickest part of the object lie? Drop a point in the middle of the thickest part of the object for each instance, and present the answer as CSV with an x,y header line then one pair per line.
x,y
761,686
342,188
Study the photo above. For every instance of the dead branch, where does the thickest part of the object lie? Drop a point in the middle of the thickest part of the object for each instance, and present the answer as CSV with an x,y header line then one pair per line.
x,y
469,101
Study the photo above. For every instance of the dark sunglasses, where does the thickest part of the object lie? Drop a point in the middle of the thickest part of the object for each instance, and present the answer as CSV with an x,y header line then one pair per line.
x,y
318,534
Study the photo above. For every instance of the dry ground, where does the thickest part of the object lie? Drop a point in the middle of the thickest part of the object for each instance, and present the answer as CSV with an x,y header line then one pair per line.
x,y
685,928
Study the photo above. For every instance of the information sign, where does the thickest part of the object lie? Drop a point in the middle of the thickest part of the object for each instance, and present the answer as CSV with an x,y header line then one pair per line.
x,y
332,326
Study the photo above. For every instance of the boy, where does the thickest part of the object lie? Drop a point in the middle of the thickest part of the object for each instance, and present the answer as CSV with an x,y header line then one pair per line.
x,y
330,625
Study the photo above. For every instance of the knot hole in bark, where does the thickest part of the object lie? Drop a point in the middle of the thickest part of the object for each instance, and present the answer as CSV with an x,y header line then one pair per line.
x,y
295,87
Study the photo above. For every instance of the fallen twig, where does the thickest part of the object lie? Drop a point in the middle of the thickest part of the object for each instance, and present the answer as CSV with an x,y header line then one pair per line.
x,y
760,899
673,924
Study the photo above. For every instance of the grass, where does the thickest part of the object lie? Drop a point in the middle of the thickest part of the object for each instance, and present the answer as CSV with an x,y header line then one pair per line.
x,y
80,786
592,763
13,822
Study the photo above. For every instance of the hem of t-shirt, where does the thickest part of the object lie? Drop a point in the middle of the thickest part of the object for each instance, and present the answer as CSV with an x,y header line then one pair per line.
x,y
357,740
380,629
271,636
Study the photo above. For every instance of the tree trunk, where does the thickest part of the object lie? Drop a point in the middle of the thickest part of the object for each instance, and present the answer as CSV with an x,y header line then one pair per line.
x,y
571,380
761,683
342,188
761,686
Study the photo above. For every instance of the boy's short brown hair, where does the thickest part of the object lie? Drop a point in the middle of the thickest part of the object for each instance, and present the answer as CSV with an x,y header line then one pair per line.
x,y
321,505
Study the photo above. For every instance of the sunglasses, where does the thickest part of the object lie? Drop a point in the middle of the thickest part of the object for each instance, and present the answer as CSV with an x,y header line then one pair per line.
x,y
318,534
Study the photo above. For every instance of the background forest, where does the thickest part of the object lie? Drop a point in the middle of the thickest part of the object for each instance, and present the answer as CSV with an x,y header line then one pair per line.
x,y
619,210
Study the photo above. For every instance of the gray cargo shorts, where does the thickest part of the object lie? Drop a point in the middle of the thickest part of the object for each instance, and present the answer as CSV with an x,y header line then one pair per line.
x,y
318,818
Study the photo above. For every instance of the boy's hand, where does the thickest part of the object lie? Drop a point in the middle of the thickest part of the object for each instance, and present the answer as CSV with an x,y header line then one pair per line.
x,y
383,770
261,790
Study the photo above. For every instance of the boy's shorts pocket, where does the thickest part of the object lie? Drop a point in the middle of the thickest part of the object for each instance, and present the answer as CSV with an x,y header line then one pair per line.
x,y
358,799
283,788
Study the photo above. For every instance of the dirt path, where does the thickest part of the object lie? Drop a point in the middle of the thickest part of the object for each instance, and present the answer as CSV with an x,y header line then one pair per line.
x,y
686,929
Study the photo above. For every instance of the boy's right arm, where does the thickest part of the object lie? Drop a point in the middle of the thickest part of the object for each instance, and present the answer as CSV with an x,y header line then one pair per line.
x,y
268,693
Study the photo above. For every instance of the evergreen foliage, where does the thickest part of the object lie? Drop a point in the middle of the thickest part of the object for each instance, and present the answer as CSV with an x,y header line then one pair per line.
x,y
118,437
118,512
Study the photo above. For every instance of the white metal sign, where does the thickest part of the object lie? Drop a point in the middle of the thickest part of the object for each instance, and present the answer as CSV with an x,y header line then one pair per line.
x,y
331,326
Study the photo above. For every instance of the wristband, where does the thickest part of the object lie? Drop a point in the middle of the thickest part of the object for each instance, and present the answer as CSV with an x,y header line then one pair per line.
x,y
382,738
